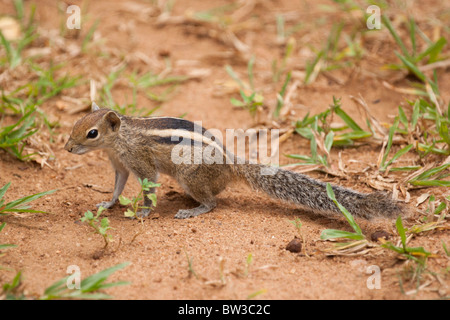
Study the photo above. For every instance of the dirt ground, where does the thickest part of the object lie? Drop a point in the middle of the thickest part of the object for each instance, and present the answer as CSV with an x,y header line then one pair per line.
x,y
244,222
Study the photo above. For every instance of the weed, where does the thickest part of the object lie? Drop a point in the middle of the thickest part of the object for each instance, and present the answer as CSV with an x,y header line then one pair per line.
x,y
47,84
256,293
135,207
24,101
5,246
279,68
384,164
12,137
280,96
13,290
417,254
191,271
14,48
251,99
331,56
444,246
100,227
88,37
10,291
248,263
89,286
433,211
140,83
411,58
432,177
18,206
332,233
317,129
298,225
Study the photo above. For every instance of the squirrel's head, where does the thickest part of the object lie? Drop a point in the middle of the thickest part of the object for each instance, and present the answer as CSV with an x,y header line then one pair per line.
x,y
96,130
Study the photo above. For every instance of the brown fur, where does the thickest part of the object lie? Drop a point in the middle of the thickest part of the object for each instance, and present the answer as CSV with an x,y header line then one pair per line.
x,y
144,146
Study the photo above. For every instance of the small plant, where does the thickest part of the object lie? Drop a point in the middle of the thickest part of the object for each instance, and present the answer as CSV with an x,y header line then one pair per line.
x,y
13,290
251,99
356,241
100,227
248,263
433,211
135,207
432,177
278,70
15,47
5,246
332,233
446,250
384,164
250,102
191,271
331,57
256,293
411,58
89,286
418,254
317,129
18,206
298,225
12,137
280,96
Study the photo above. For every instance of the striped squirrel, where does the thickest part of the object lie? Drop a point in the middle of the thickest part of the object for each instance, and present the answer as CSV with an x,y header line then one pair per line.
x,y
144,145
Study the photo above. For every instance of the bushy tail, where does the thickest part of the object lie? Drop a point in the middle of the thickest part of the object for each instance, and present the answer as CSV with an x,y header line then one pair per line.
x,y
311,194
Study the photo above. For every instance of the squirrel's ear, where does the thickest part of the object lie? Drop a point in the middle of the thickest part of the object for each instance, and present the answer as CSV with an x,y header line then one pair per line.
x,y
112,120
94,107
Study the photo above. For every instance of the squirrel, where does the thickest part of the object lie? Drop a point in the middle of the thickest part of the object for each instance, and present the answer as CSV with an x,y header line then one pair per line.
x,y
144,146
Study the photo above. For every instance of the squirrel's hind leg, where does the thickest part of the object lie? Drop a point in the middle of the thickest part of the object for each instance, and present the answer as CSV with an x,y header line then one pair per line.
x,y
188,213
202,195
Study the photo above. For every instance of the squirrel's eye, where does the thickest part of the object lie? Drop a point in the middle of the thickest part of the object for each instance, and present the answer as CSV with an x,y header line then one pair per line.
x,y
92,134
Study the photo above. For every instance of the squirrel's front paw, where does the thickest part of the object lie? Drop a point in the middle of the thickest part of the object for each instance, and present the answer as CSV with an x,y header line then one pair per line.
x,y
105,204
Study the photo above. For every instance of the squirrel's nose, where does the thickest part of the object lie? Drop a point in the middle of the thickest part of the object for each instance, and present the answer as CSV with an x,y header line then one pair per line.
x,y
68,147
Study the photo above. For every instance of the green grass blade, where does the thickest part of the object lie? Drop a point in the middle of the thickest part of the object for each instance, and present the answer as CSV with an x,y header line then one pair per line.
x,y
401,231
95,281
4,189
347,119
280,96
354,135
412,67
329,140
406,168
394,34
334,234
234,76
430,172
6,246
403,118
347,214
412,35
431,183
14,205
89,35
399,153
433,50
415,115
250,72
389,144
